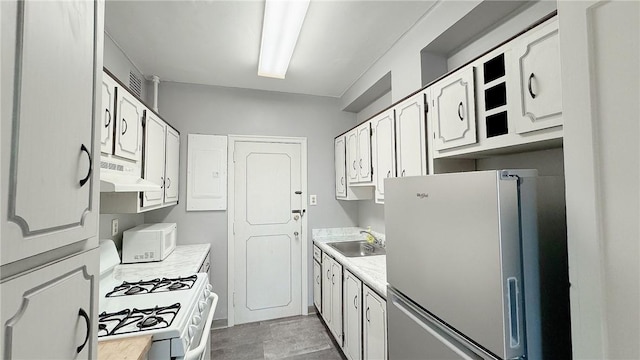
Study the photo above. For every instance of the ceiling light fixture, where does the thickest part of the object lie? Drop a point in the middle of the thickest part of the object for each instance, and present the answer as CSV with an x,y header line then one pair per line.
x,y
280,30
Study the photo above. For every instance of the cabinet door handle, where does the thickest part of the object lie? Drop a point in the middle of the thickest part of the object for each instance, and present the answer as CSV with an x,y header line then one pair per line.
x,y
124,121
84,315
108,122
86,178
360,163
342,180
460,111
161,182
366,314
354,164
328,273
333,279
168,180
531,77
389,173
318,279
355,301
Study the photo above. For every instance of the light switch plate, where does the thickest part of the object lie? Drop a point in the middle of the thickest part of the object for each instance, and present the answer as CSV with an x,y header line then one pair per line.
x,y
114,227
313,199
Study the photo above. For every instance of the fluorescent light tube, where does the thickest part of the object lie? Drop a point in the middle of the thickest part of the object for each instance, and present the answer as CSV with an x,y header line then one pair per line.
x,y
280,30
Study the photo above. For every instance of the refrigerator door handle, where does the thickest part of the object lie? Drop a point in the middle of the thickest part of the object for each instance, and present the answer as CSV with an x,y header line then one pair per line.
x,y
425,323
514,319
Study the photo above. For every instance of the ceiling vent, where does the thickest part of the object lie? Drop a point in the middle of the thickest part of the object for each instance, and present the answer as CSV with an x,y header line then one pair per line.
x,y
135,84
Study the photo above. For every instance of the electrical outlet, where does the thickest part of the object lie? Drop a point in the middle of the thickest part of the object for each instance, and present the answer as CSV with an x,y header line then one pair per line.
x,y
313,199
114,227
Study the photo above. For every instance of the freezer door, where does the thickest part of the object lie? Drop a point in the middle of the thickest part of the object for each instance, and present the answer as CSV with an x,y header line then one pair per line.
x,y
453,247
414,334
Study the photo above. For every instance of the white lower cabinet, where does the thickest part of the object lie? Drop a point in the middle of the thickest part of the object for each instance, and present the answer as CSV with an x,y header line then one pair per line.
x,y
317,285
332,296
352,316
51,313
375,325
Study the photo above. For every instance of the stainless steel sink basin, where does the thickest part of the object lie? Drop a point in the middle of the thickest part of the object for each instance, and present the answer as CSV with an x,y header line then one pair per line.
x,y
357,248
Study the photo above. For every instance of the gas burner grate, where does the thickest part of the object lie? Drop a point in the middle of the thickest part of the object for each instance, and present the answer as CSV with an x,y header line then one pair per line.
x,y
136,320
153,286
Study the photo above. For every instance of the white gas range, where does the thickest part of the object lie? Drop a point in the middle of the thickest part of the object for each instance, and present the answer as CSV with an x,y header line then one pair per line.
x,y
176,311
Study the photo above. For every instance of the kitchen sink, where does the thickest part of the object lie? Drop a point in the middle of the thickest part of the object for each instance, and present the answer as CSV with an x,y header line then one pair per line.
x,y
357,248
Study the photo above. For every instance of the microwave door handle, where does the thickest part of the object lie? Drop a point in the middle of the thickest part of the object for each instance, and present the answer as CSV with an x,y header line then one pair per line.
x,y
196,354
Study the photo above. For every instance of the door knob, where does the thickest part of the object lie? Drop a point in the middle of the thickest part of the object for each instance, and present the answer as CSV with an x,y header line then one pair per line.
x,y
295,233
296,217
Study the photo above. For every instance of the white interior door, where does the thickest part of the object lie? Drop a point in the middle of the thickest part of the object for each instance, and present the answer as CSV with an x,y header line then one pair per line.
x,y
267,235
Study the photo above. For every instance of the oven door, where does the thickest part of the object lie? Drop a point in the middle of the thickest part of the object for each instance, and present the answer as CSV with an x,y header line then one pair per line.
x,y
201,349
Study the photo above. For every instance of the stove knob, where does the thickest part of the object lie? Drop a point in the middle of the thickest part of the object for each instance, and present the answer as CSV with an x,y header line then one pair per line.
x,y
207,291
196,320
201,306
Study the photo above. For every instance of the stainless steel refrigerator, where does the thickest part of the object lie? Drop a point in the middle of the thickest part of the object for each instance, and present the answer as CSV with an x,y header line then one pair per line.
x,y
463,266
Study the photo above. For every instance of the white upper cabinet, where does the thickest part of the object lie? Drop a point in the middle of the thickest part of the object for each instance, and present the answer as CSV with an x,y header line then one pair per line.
x,y
383,151
537,58
364,152
411,136
128,126
352,156
154,157
108,114
454,120
359,154
50,149
172,169
340,152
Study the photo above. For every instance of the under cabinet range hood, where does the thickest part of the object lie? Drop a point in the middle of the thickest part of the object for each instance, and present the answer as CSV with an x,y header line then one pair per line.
x,y
115,177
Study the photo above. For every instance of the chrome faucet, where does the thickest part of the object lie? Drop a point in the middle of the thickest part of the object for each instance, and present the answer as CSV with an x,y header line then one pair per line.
x,y
376,241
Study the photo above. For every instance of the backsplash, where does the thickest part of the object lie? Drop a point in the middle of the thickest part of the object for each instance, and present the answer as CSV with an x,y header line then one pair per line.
x,y
125,222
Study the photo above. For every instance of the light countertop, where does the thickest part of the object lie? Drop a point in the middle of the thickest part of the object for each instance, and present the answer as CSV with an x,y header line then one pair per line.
x,y
130,348
372,270
183,261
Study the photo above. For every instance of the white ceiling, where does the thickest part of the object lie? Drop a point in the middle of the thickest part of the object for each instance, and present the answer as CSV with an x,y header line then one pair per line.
x,y
217,42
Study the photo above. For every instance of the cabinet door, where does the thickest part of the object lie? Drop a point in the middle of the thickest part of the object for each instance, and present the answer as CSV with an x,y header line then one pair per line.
x,y
352,156
128,126
154,157
107,115
410,137
340,160
352,317
51,312
383,151
172,167
454,107
375,326
364,153
326,288
50,150
336,301
317,285
540,89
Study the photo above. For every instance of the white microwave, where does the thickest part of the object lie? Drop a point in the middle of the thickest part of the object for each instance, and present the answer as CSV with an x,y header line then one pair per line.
x,y
148,242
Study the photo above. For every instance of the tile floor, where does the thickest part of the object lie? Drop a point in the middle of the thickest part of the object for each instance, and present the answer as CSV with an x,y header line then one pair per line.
x,y
292,338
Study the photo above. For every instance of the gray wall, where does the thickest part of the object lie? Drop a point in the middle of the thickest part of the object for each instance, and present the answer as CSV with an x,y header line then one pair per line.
x,y
219,110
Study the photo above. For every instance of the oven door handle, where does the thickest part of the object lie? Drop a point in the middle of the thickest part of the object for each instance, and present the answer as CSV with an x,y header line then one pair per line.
x,y
196,354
